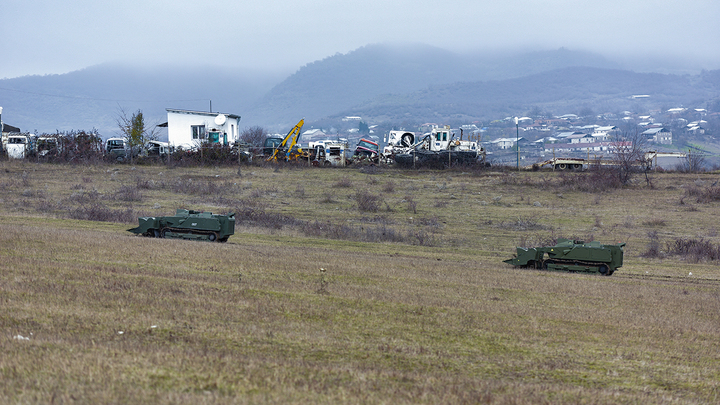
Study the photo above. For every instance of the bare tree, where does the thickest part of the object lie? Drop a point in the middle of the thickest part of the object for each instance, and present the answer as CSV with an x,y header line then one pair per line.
x,y
694,162
254,136
629,156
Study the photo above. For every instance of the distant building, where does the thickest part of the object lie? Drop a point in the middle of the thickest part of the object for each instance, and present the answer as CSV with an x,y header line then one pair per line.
x,y
659,135
312,135
504,143
189,129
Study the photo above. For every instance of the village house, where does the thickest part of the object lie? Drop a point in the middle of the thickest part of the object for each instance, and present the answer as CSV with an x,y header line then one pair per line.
x,y
659,135
190,129
312,135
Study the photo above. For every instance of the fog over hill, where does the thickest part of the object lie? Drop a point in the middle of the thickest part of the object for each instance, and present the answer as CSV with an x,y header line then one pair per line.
x,y
567,90
379,82
93,97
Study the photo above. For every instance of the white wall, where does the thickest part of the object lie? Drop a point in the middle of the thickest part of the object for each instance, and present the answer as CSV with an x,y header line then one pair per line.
x,y
180,127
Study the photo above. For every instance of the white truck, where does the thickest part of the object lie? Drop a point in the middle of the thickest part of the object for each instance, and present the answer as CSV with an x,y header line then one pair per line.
x,y
437,148
19,146
328,153
116,148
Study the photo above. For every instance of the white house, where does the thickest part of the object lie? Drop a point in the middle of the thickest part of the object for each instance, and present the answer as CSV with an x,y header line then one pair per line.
x,y
504,143
659,135
189,129
312,134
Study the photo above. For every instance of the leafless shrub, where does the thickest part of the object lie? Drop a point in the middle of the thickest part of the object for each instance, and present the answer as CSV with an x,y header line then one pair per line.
x,y
250,215
98,212
25,178
653,249
703,194
148,184
694,162
377,219
327,198
85,196
430,223
128,193
655,222
514,179
202,187
423,238
366,201
521,224
389,187
326,229
597,179
411,204
47,207
343,182
30,193
693,249
370,169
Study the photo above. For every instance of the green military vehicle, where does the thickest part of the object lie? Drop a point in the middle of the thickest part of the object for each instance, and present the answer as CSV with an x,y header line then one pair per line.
x,y
572,255
188,224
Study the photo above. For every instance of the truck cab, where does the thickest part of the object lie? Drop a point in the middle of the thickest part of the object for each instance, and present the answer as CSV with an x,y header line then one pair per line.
x,y
116,148
157,148
18,146
367,150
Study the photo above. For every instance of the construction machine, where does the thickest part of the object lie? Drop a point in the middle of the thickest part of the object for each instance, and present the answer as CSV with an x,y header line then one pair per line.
x,y
288,149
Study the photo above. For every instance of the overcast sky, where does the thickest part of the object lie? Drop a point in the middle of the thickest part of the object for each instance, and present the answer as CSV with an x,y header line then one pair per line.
x,y
50,36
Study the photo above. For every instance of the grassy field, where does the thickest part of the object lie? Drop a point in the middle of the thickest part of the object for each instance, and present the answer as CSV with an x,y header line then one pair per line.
x,y
414,304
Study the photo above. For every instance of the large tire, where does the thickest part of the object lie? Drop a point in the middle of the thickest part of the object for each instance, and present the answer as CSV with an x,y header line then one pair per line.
x,y
213,237
406,140
562,166
604,270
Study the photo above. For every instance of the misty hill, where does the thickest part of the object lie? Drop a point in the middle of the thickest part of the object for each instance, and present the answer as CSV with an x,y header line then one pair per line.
x,y
92,97
568,90
391,83
342,81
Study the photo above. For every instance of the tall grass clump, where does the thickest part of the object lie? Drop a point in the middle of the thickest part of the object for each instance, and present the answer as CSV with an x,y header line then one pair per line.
x,y
366,201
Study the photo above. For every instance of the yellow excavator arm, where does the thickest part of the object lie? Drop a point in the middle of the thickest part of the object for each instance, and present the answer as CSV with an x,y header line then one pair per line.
x,y
288,142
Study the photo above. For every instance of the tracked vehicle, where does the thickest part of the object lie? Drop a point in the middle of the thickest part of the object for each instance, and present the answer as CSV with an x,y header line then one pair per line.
x,y
572,255
188,224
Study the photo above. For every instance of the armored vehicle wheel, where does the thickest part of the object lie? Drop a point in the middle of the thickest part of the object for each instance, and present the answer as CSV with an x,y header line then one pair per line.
x,y
604,270
163,232
212,237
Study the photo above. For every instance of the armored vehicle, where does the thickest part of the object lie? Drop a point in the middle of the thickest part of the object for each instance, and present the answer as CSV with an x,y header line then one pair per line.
x,y
188,224
572,255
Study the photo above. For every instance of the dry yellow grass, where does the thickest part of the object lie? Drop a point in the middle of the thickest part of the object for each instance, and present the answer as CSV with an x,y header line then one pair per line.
x,y
114,318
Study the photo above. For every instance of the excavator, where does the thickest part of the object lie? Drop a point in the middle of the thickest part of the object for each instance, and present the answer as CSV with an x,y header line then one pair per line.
x,y
285,147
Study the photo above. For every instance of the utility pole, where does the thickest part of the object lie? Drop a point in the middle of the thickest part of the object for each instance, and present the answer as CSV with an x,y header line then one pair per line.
x,y
517,141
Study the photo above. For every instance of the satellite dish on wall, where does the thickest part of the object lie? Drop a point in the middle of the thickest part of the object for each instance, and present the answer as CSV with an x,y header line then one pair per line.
x,y
220,119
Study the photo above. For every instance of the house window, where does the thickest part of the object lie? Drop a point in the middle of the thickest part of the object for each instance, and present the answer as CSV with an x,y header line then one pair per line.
x,y
198,131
